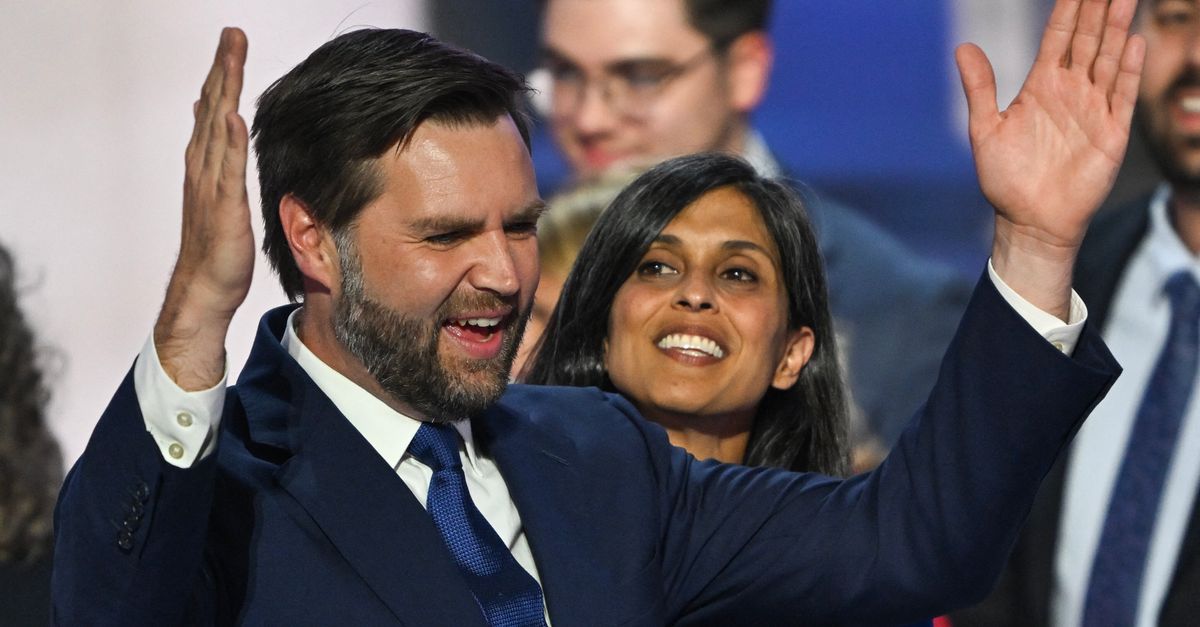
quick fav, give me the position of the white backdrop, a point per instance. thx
(95, 111)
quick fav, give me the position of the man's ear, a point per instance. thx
(310, 242)
(749, 59)
(800, 344)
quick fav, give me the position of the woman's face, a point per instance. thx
(700, 328)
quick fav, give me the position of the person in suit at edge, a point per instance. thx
(634, 81)
(400, 202)
(1125, 264)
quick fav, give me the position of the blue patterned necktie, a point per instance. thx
(1117, 572)
(507, 595)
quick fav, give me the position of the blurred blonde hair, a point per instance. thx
(572, 213)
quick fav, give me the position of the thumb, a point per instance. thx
(979, 85)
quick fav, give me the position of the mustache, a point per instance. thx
(1188, 79)
(474, 301)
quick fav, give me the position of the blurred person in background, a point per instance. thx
(561, 233)
(1114, 538)
(30, 467)
(631, 80)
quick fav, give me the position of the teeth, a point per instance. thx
(1190, 104)
(692, 343)
(478, 322)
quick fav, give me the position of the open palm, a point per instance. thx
(1048, 161)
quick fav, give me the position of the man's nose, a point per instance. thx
(1193, 47)
(495, 267)
(594, 114)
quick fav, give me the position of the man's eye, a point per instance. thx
(1174, 17)
(655, 268)
(643, 78)
(445, 239)
(522, 228)
(564, 74)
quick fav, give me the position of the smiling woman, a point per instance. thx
(715, 318)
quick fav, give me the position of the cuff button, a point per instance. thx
(175, 450)
(125, 541)
(184, 419)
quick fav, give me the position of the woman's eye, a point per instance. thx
(654, 268)
(739, 274)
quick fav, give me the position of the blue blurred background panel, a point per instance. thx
(862, 107)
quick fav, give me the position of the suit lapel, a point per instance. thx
(359, 503)
(1105, 252)
(539, 464)
(1109, 244)
(375, 522)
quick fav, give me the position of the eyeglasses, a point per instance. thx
(628, 88)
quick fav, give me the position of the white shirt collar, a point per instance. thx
(1168, 254)
(388, 431)
(758, 155)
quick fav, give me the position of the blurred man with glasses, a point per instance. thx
(630, 82)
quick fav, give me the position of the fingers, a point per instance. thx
(1088, 34)
(220, 94)
(1056, 41)
(1125, 91)
(979, 85)
(1114, 44)
(232, 182)
(228, 94)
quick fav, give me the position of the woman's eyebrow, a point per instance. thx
(741, 244)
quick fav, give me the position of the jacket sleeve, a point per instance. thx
(130, 528)
(926, 532)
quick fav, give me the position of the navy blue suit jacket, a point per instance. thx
(297, 521)
(1023, 597)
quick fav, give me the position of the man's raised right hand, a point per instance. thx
(216, 251)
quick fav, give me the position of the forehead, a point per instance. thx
(459, 167)
(608, 30)
(720, 216)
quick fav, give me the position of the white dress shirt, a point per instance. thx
(184, 424)
(1135, 333)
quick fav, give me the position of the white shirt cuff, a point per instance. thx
(184, 424)
(1063, 335)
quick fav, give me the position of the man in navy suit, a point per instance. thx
(1130, 253)
(372, 458)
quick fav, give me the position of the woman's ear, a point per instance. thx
(310, 242)
(800, 344)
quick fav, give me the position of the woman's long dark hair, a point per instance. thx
(30, 463)
(801, 428)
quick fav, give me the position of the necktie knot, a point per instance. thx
(436, 446)
(1184, 293)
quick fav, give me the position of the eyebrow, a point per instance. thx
(617, 66)
(733, 244)
(450, 223)
(531, 212)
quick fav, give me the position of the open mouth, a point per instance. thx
(479, 336)
(692, 346)
(475, 329)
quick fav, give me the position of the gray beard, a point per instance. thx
(401, 352)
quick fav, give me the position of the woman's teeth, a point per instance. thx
(692, 343)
